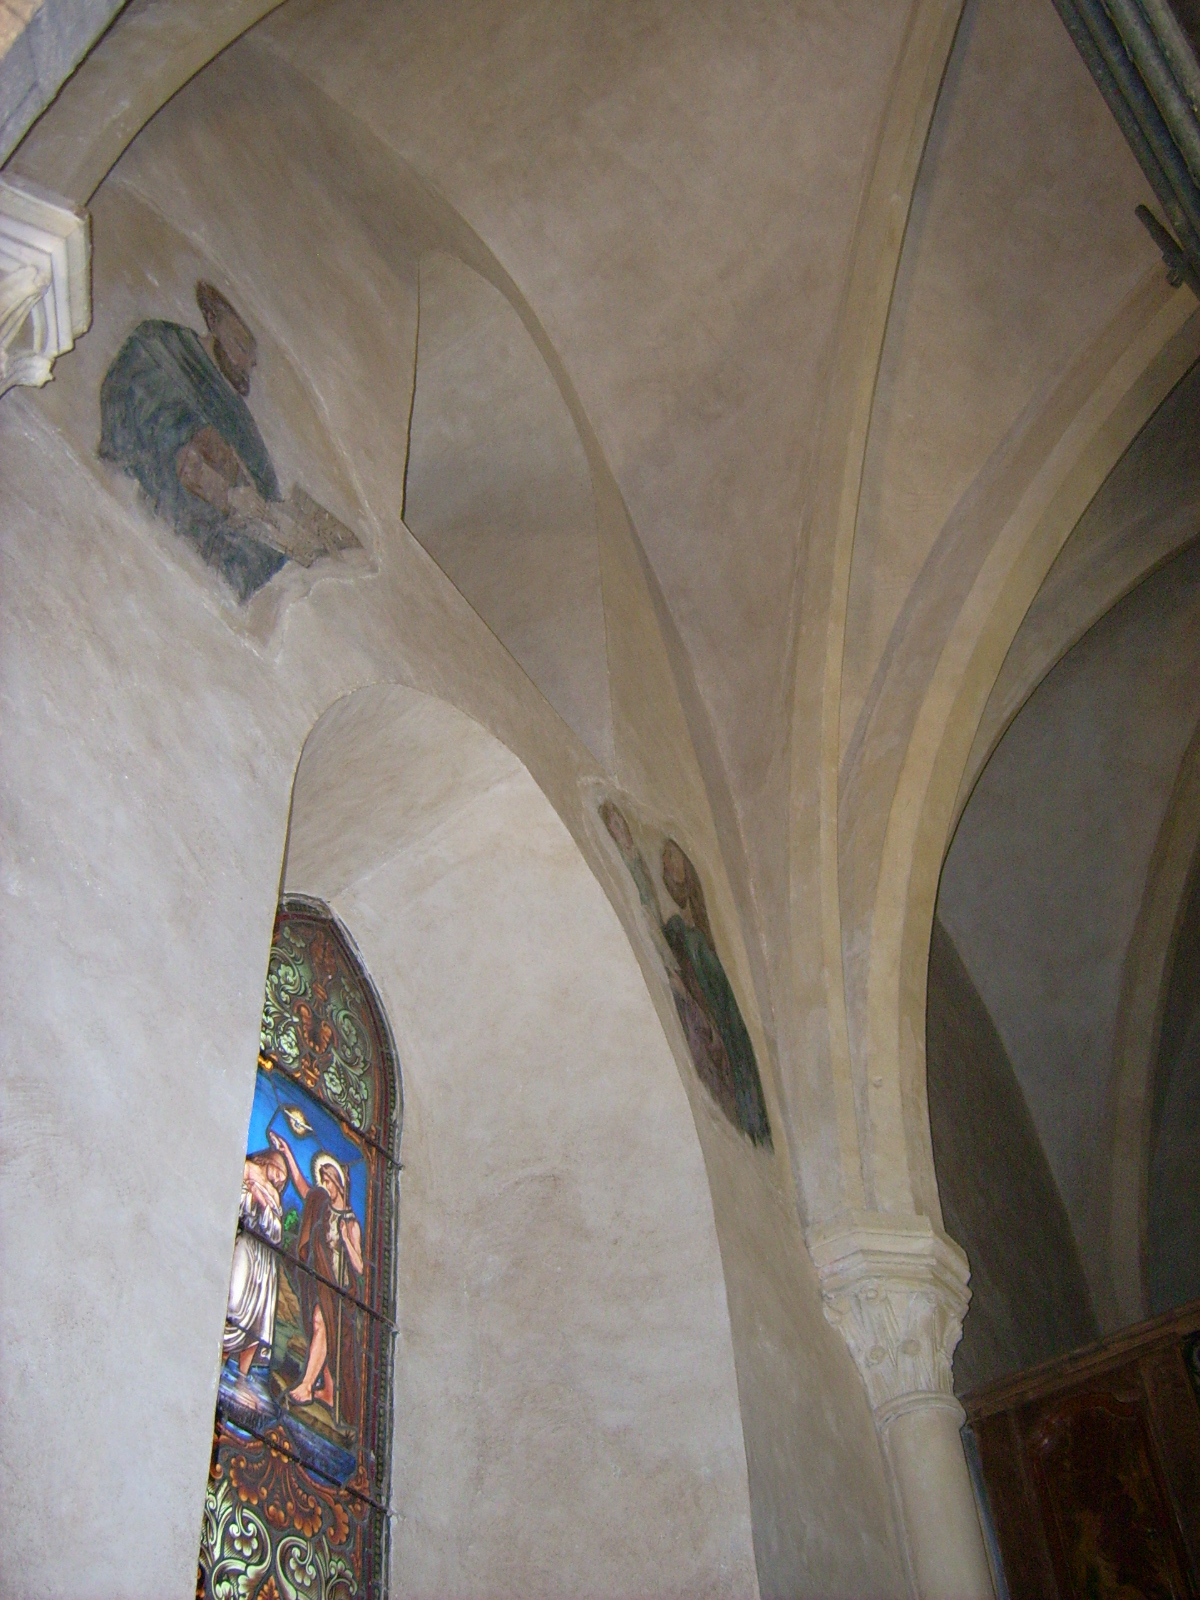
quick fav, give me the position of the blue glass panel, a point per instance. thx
(299, 1479)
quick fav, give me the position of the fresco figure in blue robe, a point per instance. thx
(689, 935)
(173, 413)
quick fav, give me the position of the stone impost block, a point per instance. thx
(45, 287)
(896, 1290)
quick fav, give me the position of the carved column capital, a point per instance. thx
(896, 1290)
(45, 290)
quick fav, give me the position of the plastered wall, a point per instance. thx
(1021, 243)
(151, 731)
(566, 1403)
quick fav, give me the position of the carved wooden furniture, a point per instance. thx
(1091, 1468)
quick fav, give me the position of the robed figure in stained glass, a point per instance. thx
(330, 1246)
(299, 1477)
(254, 1281)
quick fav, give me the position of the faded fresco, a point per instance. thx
(297, 1494)
(174, 414)
(716, 1033)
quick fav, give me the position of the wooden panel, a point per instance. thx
(1054, 1377)
(1027, 1567)
(1174, 1416)
(1092, 1467)
(1102, 1502)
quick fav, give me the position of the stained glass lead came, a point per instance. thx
(299, 1477)
(320, 1027)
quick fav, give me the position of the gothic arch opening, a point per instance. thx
(560, 1297)
(1059, 905)
(1170, 1192)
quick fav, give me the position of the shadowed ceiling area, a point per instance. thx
(1043, 884)
(498, 492)
(1060, 987)
(1172, 1200)
(1059, 892)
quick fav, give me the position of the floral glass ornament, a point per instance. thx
(296, 1506)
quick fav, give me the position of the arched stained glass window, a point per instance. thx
(296, 1505)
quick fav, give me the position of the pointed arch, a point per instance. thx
(299, 1478)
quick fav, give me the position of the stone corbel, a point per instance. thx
(45, 289)
(896, 1290)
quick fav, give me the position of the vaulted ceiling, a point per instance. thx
(668, 206)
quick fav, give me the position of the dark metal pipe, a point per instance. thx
(1155, 151)
(1150, 61)
(1141, 103)
(1179, 268)
(1177, 48)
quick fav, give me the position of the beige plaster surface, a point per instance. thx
(134, 808)
(150, 735)
(562, 1308)
(1020, 244)
(674, 189)
(905, 764)
(815, 1013)
(143, 801)
(867, 844)
(658, 238)
(627, 297)
(497, 489)
(905, 754)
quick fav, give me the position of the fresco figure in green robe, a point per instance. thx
(712, 1023)
(173, 413)
(690, 937)
(615, 821)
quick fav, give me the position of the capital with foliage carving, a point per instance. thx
(896, 1290)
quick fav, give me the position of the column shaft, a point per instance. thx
(896, 1289)
(946, 1554)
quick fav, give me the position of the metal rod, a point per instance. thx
(1179, 268)
(1148, 154)
(1177, 48)
(1139, 40)
(337, 1369)
(1141, 103)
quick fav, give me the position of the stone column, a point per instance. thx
(897, 1292)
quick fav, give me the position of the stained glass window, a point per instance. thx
(296, 1505)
